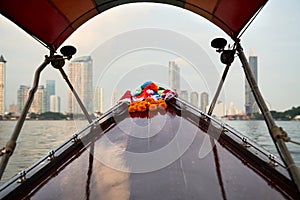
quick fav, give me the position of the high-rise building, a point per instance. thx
(98, 99)
(195, 99)
(183, 94)
(22, 96)
(115, 96)
(38, 105)
(12, 108)
(80, 72)
(250, 105)
(220, 110)
(232, 110)
(2, 85)
(174, 76)
(50, 90)
(204, 101)
(54, 103)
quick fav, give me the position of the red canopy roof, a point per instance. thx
(53, 21)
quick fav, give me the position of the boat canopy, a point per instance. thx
(53, 21)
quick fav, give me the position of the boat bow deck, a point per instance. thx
(176, 154)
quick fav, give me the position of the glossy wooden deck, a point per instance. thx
(162, 157)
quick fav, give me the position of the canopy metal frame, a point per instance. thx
(278, 135)
(12, 143)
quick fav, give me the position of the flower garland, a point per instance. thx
(149, 97)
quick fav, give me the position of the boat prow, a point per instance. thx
(180, 153)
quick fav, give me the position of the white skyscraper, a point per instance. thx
(98, 99)
(80, 72)
(195, 99)
(232, 110)
(54, 103)
(174, 76)
(50, 90)
(2, 85)
(184, 95)
(220, 110)
(38, 105)
(115, 97)
(22, 96)
(204, 101)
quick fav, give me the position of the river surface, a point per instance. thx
(258, 132)
(37, 138)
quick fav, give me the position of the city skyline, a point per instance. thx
(80, 70)
(220, 109)
(39, 103)
(174, 72)
(42, 101)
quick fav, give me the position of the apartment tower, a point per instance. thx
(174, 76)
(80, 72)
(2, 85)
(195, 99)
(50, 90)
(204, 101)
(250, 103)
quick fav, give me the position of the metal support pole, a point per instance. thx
(275, 131)
(91, 157)
(214, 101)
(11, 144)
(76, 95)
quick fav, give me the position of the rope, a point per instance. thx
(2, 152)
(279, 133)
(291, 165)
(295, 142)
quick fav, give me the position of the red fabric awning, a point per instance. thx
(53, 21)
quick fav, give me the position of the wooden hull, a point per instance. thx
(175, 154)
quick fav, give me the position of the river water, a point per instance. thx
(37, 138)
(258, 132)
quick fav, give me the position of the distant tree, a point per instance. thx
(258, 116)
(52, 116)
(292, 112)
(33, 115)
(286, 115)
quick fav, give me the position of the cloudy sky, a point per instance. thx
(116, 37)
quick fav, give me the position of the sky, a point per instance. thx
(118, 41)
